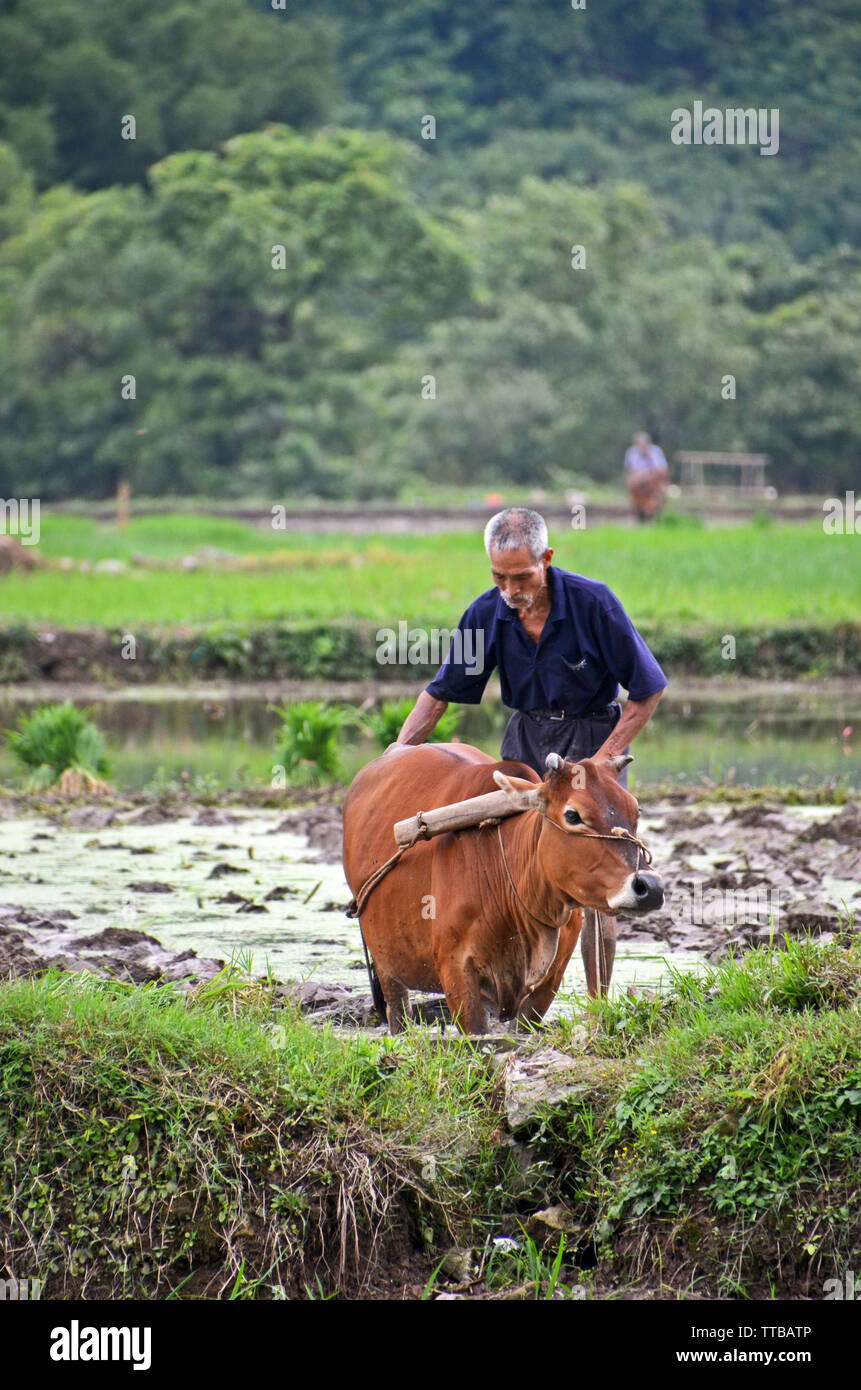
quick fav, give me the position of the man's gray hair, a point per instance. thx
(515, 528)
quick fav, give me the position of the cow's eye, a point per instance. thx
(573, 818)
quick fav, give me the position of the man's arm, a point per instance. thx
(422, 719)
(635, 716)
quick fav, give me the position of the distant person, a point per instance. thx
(648, 475)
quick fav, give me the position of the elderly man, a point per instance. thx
(562, 645)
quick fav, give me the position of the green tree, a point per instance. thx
(190, 74)
(245, 373)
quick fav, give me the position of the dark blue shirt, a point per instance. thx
(588, 646)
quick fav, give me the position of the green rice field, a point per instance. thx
(685, 573)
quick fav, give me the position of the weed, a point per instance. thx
(60, 744)
(308, 741)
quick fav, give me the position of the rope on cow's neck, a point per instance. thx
(619, 832)
(354, 907)
(554, 926)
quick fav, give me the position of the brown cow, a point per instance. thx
(489, 915)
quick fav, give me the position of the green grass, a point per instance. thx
(165, 537)
(738, 575)
(145, 1138)
(728, 1154)
(152, 1144)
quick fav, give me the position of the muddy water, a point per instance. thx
(249, 885)
(223, 890)
(159, 879)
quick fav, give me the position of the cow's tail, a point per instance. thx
(377, 990)
(373, 978)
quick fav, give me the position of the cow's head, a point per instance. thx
(578, 801)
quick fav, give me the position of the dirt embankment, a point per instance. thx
(348, 651)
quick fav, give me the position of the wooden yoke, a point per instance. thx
(458, 816)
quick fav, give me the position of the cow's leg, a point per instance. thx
(535, 1006)
(397, 999)
(598, 947)
(462, 987)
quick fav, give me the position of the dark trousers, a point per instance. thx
(529, 738)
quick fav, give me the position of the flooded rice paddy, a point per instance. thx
(251, 886)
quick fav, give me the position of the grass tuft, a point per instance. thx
(60, 744)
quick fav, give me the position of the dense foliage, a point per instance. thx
(407, 258)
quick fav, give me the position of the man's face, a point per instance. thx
(519, 579)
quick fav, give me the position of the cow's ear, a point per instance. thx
(527, 794)
(618, 761)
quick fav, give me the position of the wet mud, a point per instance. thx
(147, 893)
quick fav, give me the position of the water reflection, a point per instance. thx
(766, 734)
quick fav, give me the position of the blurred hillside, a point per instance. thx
(301, 373)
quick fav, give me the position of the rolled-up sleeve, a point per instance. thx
(626, 654)
(466, 670)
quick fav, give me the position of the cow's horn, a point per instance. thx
(553, 762)
(620, 760)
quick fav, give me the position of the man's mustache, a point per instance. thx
(523, 600)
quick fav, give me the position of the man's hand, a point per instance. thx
(422, 719)
(635, 715)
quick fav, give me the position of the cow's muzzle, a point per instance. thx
(643, 892)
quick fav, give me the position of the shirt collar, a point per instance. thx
(557, 602)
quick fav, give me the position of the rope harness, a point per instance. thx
(357, 904)
(618, 833)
